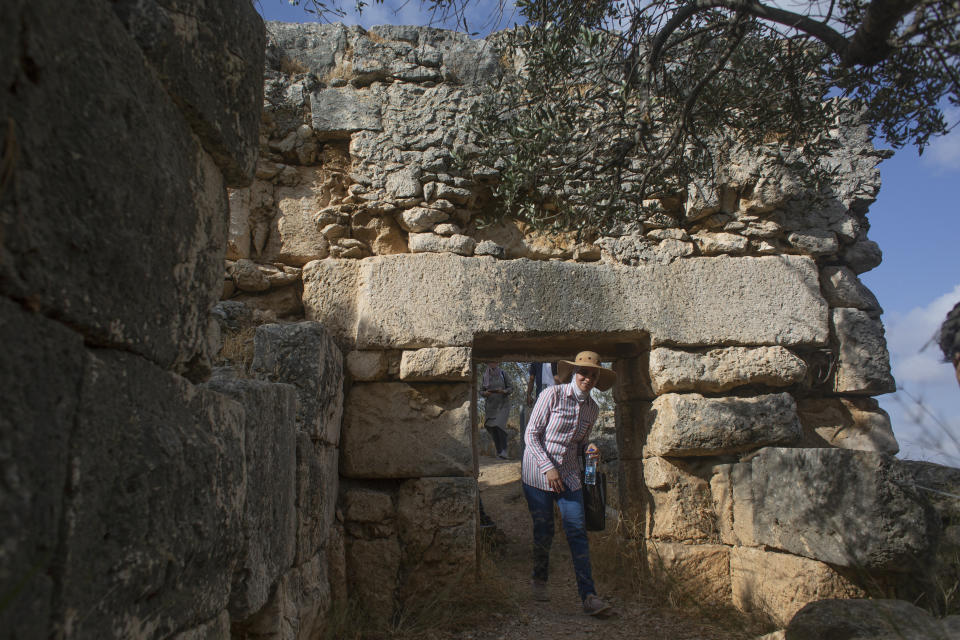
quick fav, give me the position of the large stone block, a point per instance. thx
(269, 515)
(874, 619)
(682, 504)
(215, 629)
(339, 112)
(157, 496)
(719, 370)
(688, 424)
(318, 482)
(209, 56)
(437, 522)
(373, 572)
(779, 584)
(329, 297)
(847, 508)
(295, 237)
(433, 364)
(699, 572)
(842, 288)
(758, 301)
(83, 200)
(40, 380)
(848, 423)
(304, 355)
(863, 364)
(298, 606)
(398, 430)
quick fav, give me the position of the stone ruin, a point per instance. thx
(158, 485)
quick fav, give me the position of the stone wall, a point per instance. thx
(137, 501)
(752, 454)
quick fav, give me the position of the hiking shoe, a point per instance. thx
(593, 605)
(503, 456)
(538, 589)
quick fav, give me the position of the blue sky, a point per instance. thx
(916, 222)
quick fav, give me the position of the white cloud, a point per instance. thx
(943, 154)
(925, 411)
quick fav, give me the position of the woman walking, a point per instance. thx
(495, 390)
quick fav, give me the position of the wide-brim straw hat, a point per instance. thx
(587, 359)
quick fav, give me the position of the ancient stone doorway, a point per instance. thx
(632, 395)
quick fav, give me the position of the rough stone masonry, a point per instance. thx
(145, 494)
(753, 457)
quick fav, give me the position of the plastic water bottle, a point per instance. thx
(590, 472)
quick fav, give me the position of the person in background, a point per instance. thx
(495, 390)
(541, 376)
(559, 428)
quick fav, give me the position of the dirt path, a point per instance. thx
(562, 617)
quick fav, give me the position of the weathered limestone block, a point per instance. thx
(842, 288)
(329, 296)
(387, 426)
(364, 366)
(419, 219)
(338, 112)
(863, 255)
(209, 56)
(723, 369)
(373, 572)
(699, 572)
(631, 428)
(847, 508)
(688, 424)
(295, 238)
(238, 238)
(436, 364)
(285, 302)
(816, 242)
(760, 301)
(874, 619)
(298, 606)
(317, 483)
(779, 584)
(939, 484)
(215, 629)
(381, 233)
(269, 516)
(247, 276)
(721, 490)
(304, 355)
(848, 423)
(138, 429)
(682, 507)
(369, 513)
(433, 243)
(438, 533)
(83, 202)
(863, 364)
(712, 244)
(40, 376)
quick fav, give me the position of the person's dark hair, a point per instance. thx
(948, 337)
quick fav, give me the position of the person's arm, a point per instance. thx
(485, 383)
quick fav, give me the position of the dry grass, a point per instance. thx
(237, 349)
(292, 67)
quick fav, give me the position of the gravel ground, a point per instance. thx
(521, 618)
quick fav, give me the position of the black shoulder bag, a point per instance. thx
(594, 498)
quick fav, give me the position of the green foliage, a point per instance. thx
(607, 106)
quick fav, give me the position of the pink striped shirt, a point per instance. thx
(558, 428)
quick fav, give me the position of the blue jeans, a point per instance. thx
(540, 503)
